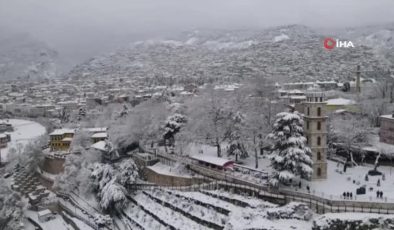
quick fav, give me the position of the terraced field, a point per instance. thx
(208, 209)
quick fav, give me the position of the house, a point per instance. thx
(45, 215)
(60, 139)
(6, 127)
(4, 139)
(336, 104)
(99, 137)
(386, 132)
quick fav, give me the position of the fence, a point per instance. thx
(317, 203)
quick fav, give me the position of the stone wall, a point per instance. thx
(53, 165)
(170, 180)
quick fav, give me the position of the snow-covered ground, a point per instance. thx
(24, 132)
(251, 201)
(81, 225)
(170, 216)
(259, 214)
(57, 223)
(337, 183)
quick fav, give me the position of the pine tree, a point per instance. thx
(291, 156)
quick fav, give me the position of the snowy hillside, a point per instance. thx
(21, 56)
(293, 51)
(380, 38)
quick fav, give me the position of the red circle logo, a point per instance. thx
(329, 43)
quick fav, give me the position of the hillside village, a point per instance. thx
(204, 139)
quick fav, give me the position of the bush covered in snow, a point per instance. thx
(299, 211)
(109, 181)
(102, 220)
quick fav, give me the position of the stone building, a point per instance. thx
(315, 128)
(386, 132)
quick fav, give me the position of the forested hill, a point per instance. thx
(23, 57)
(292, 51)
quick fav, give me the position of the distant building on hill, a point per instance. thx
(336, 104)
(386, 132)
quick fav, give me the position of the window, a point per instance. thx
(318, 171)
(307, 125)
(318, 111)
(318, 156)
(319, 141)
(307, 111)
(318, 125)
(321, 99)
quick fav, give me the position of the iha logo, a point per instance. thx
(330, 43)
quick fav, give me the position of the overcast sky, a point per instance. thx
(82, 28)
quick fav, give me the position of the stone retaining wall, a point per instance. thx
(170, 180)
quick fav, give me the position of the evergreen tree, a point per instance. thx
(291, 156)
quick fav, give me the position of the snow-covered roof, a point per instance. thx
(340, 101)
(281, 37)
(297, 97)
(44, 212)
(96, 129)
(99, 145)
(2, 135)
(212, 160)
(340, 111)
(389, 116)
(100, 135)
(62, 131)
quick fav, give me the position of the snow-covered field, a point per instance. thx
(24, 132)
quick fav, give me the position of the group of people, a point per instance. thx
(347, 195)
(379, 194)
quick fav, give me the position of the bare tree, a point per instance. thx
(261, 108)
(211, 117)
(349, 131)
